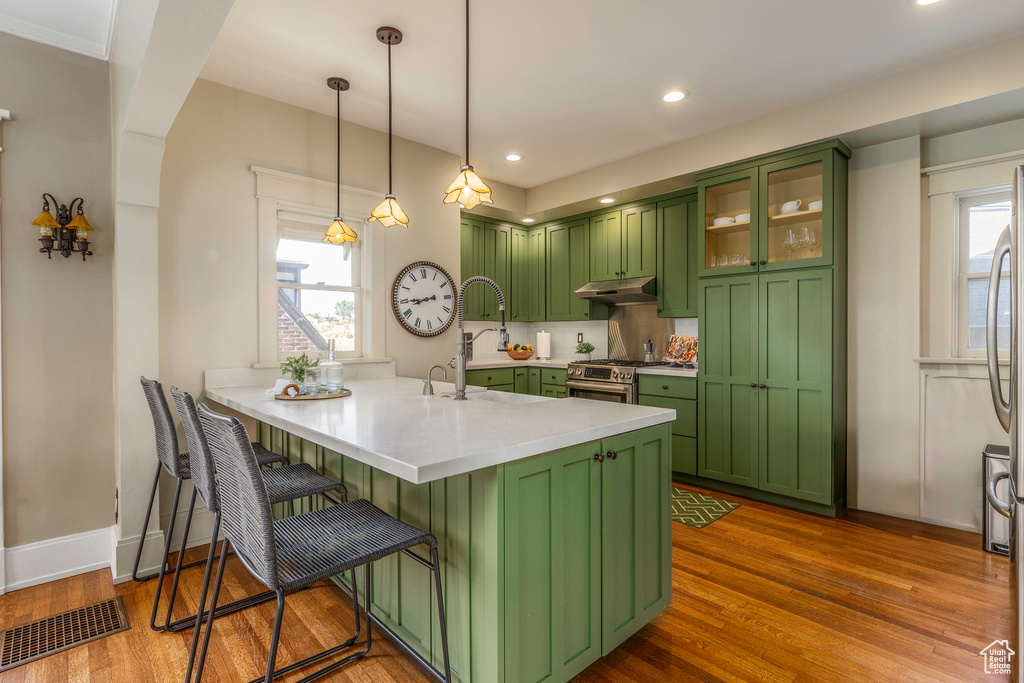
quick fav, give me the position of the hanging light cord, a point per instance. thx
(338, 165)
(389, 118)
(467, 82)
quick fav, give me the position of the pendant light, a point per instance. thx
(388, 212)
(339, 232)
(467, 189)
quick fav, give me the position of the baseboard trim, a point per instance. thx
(57, 558)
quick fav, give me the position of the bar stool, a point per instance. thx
(293, 553)
(283, 484)
(177, 465)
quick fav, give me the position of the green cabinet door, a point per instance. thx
(640, 241)
(552, 565)
(796, 453)
(677, 258)
(568, 269)
(536, 277)
(606, 246)
(727, 405)
(472, 263)
(521, 383)
(534, 384)
(808, 178)
(732, 247)
(553, 391)
(497, 262)
(636, 563)
(518, 295)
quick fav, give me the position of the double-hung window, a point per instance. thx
(981, 218)
(319, 292)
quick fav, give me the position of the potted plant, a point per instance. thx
(295, 367)
(584, 349)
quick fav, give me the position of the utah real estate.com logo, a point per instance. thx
(998, 657)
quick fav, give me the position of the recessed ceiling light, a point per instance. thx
(607, 200)
(513, 157)
(528, 220)
(926, 2)
(677, 95)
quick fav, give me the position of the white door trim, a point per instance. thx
(4, 116)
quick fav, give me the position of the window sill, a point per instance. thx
(958, 361)
(344, 361)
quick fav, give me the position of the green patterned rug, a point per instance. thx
(696, 509)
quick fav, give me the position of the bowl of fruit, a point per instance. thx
(519, 351)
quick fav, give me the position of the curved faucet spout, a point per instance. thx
(460, 342)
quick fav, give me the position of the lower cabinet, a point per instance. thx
(492, 378)
(533, 381)
(522, 381)
(600, 566)
(678, 394)
(553, 391)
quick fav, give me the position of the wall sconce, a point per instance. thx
(66, 233)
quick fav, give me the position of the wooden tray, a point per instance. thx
(303, 397)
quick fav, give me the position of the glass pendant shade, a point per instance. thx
(339, 232)
(389, 213)
(46, 220)
(468, 190)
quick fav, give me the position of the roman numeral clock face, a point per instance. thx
(423, 299)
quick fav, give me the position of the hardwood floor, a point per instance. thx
(763, 594)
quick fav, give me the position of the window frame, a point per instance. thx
(312, 224)
(962, 277)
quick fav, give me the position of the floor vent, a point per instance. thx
(29, 642)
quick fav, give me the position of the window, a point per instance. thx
(319, 296)
(982, 218)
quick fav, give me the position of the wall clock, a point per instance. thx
(423, 299)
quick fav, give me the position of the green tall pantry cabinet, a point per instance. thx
(772, 308)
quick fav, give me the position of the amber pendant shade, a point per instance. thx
(79, 223)
(339, 232)
(389, 213)
(468, 190)
(46, 220)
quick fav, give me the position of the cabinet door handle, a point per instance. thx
(753, 385)
(515, 315)
(664, 387)
(762, 262)
(612, 455)
(763, 386)
(488, 378)
(599, 457)
(753, 263)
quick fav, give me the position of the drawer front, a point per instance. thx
(553, 391)
(685, 423)
(490, 378)
(671, 387)
(552, 376)
(684, 454)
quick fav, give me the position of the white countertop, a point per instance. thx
(387, 424)
(509, 363)
(667, 371)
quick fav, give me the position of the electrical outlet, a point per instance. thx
(579, 337)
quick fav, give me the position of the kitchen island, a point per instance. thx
(552, 515)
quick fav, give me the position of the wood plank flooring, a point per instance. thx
(763, 594)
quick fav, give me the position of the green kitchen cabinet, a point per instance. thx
(624, 243)
(534, 384)
(553, 391)
(727, 439)
(497, 266)
(602, 569)
(606, 246)
(521, 383)
(684, 454)
(677, 257)
(492, 377)
(730, 247)
(472, 263)
(679, 394)
(795, 368)
(528, 276)
(568, 269)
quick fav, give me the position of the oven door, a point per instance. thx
(600, 391)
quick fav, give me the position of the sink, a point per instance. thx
(506, 397)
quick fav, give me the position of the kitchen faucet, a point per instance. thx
(428, 388)
(460, 341)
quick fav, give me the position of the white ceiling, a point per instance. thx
(83, 26)
(576, 84)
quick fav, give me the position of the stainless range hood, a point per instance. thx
(637, 290)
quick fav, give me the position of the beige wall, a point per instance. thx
(884, 258)
(57, 315)
(208, 263)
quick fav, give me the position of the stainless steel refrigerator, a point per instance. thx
(1008, 407)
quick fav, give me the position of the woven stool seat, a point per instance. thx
(298, 481)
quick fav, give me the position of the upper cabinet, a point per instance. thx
(528, 276)
(486, 250)
(774, 214)
(624, 243)
(568, 269)
(677, 257)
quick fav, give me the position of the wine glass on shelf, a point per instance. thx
(712, 263)
(790, 243)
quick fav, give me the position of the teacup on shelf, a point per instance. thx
(814, 206)
(790, 207)
(724, 220)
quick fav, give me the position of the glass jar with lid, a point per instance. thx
(332, 372)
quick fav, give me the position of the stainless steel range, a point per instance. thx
(605, 380)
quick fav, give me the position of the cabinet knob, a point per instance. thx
(762, 262)
(599, 457)
(586, 314)
(753, 263)
(763, 386)
(515, 315)
(612, 455)
(753, 385)
(664, 387)
(488, 378)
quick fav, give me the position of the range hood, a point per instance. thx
(636, 290)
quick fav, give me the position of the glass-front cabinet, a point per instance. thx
(775, 214)
(729, 209)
